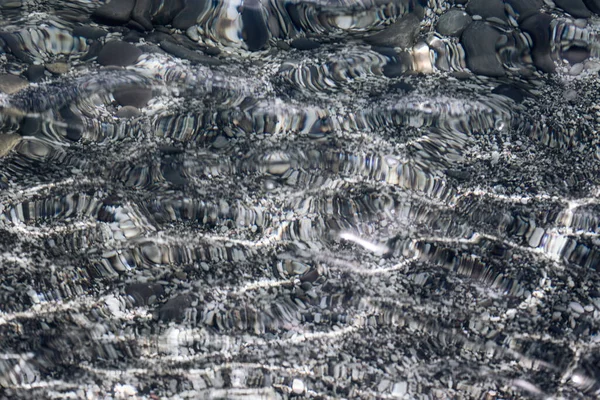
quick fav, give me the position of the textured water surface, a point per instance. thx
(299, 198)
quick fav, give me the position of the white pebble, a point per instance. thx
(298, 386)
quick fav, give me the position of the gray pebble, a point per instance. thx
(11, 84)
(453, 22)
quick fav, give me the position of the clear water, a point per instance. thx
(274, 199)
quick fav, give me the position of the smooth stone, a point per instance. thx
(298, 386)
(576, 54)
(11, 84)
(35, 73)
(399, 65)
(118, 53)
(304, 44)
(142, 13)
(511, 92)
(254, 32)
(166, 11)
(174, 309)
(15, 48)
(31, 126)
(58, 68)
(182, 52)
(576, 307)
(189, 15)
(116, 12)
(89, 32)
(479, 41)
(401, 33)
(487, 9)
(8, 142)
(525, 8)
(593, 5)
(539, 29)
(453, 22)
(10, 4)
(136, 96)
(576, 8)
(128, 112)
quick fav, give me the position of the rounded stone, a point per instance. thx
(136, 96)
(453, 22)
(11, 84)
(35, 73)
(8, 142)
(118, 53)
(128, 112)
(58, 68)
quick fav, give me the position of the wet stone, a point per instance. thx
(255, 31)
(135, 96)
(487, 9)
(304, 44)
(11, 84)
(89, 32)
(116, 12)
(401, 33)
(10, 4)
(167, 11)
(191, 55)
(593, 5)
(7, 143)
(511, 92)
(479, 41)
(538, 27)
(453, 22)
(188, 16)
(128, 112)
(35, 73)
(576, 8)
(576, 55)
(118, 53)
(58, 68)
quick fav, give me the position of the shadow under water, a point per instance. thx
(303, 198)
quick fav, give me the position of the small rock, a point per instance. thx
(297, 386)
(401, 33)
(136, 96)
(304, 44)
(453, 22)
(35, 73)
(7, 143)
(118, 53)
(576, 307)
(58, 68)
(11, 84)
(114, 13)
(128, 112)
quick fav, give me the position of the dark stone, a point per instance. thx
(118, 53)
(74, 123)
(15, 48)
(538, 27)
(576, 54)
(166, 11)
(142, 13)
(174, 309)
(128, 112)
(136, 96)
(304, 44)
(189, 15)
(487, 9)
(10, 4)
(116, 12)
(254, 31)
(479, 41)
(35, 73)
(92, 52)
(398, 66)
(401, 33)
(453, 22)
(525, 8)
(403, 86)
(182, 52)
(574, 7)
(31, 126)
(144, 294)
(593, 5)
(89, 32)
(511, 92)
